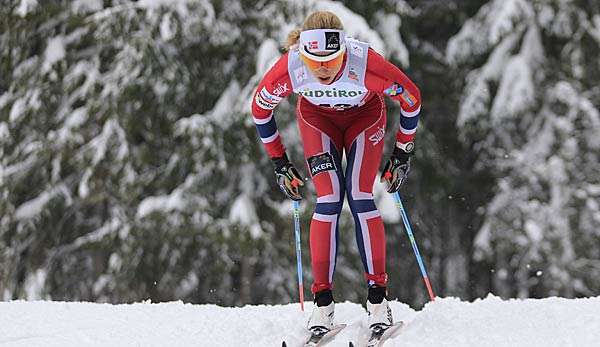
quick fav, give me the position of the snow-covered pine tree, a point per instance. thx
(529, 108)
(128, 159)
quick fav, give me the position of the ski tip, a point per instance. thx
(283, 344)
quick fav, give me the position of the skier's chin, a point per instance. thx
(325, 80)
(325, 75)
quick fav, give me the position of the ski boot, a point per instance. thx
(380, 313)
(321, 319)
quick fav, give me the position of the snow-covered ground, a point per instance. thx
(445, 322)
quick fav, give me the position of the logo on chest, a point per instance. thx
(321, 163)
(352, 74)
(331, 93)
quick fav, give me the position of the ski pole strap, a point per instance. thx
(298, 252)
(413, 243)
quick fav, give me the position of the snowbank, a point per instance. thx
(446, 322)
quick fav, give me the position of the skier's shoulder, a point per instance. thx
(279, 69)
(378, 66)
(278, 72)
(375, 58)
(275, 84)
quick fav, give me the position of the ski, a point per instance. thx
(378, 337)
(318, 340)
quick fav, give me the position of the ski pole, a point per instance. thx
(298, 252)
(414, 245)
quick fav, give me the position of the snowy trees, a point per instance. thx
(130, 167)
(530, 110)
(118, 169)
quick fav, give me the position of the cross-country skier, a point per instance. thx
(341, 83)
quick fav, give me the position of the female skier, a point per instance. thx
(341, 83)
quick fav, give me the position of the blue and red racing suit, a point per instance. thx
(347, 116)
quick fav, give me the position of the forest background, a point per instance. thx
(130, 168)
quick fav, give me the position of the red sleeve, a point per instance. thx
(384, 77)
(274, 86)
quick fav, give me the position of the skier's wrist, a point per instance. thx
(279, 162)
(403, 150)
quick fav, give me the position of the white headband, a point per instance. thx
(324, 41)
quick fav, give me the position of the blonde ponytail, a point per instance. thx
(292, 39)
(316, 20)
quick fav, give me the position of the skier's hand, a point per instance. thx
(397, 167)
(288, 177)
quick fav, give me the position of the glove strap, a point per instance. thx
(403, 151)
(401, 155)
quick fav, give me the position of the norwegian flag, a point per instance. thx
(352, 75)
(313, 45)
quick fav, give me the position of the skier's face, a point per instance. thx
(326, 71)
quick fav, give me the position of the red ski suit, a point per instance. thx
(328, 131)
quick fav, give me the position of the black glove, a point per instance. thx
(288, 177)
(396, 168)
